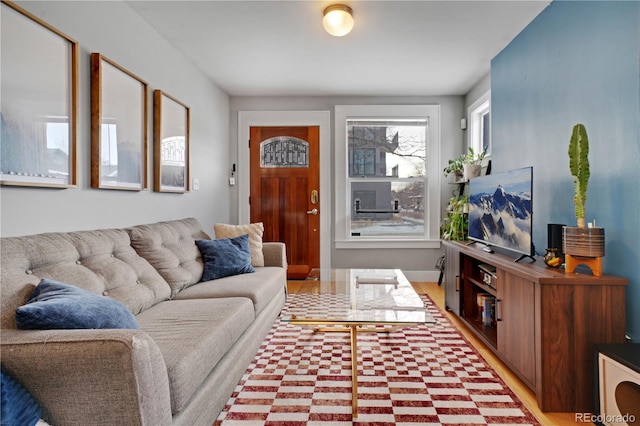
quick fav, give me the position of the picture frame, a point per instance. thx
(171, 144)
(39, 103)
(119, 131)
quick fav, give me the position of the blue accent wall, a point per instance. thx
(577, 62)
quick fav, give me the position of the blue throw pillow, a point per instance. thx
(225, 256)
(54, 305)
(18, 406)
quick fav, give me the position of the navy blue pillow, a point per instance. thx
(225, 256)
(54, 305)
(18, 406)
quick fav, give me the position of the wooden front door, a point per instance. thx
(285, 176)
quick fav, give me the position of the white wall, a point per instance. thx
(480, 88)
(116, 31)
(452, 137)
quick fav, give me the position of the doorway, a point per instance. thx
(288, 118)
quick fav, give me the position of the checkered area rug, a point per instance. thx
(427, 375)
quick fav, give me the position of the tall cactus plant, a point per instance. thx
(579, 166)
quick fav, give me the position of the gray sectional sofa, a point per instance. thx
(195, 338)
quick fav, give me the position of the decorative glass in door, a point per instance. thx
(284, 151)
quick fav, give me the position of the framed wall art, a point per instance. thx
(171, 144)
(119, 135)
(38, 111)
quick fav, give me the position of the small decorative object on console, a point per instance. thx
(552, 258)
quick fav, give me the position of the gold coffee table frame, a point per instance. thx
(382, 298)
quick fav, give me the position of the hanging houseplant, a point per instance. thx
(581, 240)
(456, 166)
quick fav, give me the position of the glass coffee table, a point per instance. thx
(357, 301)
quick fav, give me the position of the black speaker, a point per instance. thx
(554, 237)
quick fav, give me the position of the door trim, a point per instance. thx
(247, 119)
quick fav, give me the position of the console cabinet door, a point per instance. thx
(452, 279)
(516, 324)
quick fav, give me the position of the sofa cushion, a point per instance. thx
(193, 335)
(170, 247)
(225, 257)
(261, 287)
(55, 305)
(255, 231)
(100, 261)
(18, 406)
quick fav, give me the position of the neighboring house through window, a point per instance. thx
(386, 176)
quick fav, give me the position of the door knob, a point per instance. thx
(313, 212)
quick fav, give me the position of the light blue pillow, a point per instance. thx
(225, 256)
(18, 406)
(54, 305)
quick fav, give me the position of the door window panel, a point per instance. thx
(284, 151)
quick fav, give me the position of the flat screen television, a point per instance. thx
(500, 211)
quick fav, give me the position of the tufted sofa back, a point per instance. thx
(170, 247)
(104, 262)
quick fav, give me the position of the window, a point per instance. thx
(386, 176)
(480, 124)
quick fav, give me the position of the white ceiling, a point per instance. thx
(397, 48)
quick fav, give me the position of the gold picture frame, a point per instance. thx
(38, 111)
(170, 144)
(119, 131)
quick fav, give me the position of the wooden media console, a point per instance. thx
(543, 323)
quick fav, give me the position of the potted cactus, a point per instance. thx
(579, 167)
(581, 240)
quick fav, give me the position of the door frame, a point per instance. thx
(247, 119)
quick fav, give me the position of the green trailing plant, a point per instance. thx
(473, 158)
(579, 166)
(470, 157)
(457, 164)
(455, 226)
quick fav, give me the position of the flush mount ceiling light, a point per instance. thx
(338, 20)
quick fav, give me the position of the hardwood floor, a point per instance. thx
(522, 391)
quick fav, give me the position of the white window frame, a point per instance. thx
(343, 238)
(475, 112)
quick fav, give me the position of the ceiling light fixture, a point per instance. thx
(338, 20)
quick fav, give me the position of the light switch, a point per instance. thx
(196, 184)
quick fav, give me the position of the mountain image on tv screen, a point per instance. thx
(500, 209)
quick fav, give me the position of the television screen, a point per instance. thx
(500, 210)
